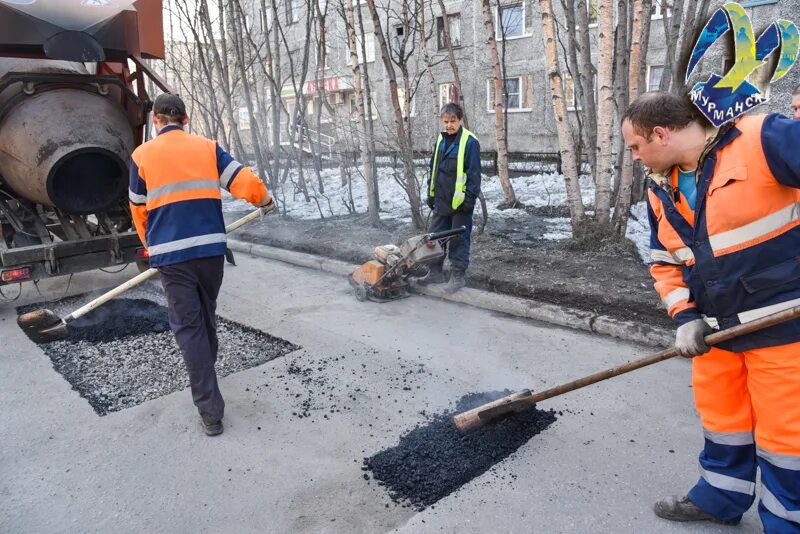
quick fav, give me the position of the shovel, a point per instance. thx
(44, 326)
(478, 417)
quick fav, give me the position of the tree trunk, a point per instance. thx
(509, 197)
(238, 29)
(367, 85)
(373, 215)
(605, 122)
(586, 79)
(640, 11)
(569, 163)
(411, 184)
(620, 90)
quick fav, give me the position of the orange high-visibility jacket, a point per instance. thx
(736, 257)
(175, 197)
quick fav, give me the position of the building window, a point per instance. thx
(293, 13)
(401, 96)
(448, 92)
(453, 27)
(265, 19)
(397, 38)
(518, 94)
(354, 108)
(569, 92)
(658, 9)
(244, 119)
(591, 5)
(369, 45)
(512, 21)
(654, 73)
(570, 95)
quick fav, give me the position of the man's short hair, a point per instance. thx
(660, 108)
(796, 90)
(451, 108)
(169, 108)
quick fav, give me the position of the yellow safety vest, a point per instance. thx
(461, 176)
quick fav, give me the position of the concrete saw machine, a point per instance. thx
(385, 278)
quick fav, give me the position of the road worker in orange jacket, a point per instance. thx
(175, 199)
(724, 209)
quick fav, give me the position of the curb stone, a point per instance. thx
(516, 306)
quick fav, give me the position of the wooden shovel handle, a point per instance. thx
(711, 339)
(149, 273)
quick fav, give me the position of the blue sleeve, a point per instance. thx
(473, 163)
(780, 139)
(137, 188)
(655, 243)
(686, 316)
(227, 167)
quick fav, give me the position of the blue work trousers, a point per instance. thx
(192, 288)
(457, 248)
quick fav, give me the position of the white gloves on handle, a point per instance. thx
(690, 338)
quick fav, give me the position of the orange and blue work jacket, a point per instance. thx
(736, 256)
(175, 196)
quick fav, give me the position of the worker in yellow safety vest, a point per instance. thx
(453, 188)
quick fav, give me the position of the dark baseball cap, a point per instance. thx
(169, 104)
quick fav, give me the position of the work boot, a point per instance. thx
(677, 508)
(457, 281)
(212, 427)
(435, 276)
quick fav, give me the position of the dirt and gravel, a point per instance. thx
(434, 459)
(511, 257)
(123, 353)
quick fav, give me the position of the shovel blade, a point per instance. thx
(43, 326)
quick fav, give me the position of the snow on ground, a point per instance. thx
(536, 190)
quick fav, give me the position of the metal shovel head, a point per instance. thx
(43, 326)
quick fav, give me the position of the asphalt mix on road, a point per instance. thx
(434, 459)
(123, 353)
(347, 428)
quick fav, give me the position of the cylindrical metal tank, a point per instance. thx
(65, 147)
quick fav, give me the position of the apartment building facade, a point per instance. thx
(530, 121)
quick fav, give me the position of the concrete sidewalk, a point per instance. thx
(635, 332)
(614, 448)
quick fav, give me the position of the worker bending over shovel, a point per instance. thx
(176, 204)
(724, 208)
(453, 188)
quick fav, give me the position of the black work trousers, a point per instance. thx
(192, 288)
(458, 248)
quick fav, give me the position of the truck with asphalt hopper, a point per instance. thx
(74, 104)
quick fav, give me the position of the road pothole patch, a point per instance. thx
(124, 353)
(434, 459)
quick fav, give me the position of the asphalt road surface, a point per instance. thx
(298, 427)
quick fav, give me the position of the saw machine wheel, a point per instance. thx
(360, 292)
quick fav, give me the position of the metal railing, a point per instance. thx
(305, 137)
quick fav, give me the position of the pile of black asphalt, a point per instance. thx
(434, 459)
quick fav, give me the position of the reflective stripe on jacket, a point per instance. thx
(735, 258)
(175, 197)
(467, 171)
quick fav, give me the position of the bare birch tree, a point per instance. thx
(509, 197)
(406, 152)
(605, 111)
(368, 162)
(563, 126)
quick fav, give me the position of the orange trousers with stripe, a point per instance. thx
(758, 392)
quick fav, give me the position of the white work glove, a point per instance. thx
(689, 339)
(268, 202)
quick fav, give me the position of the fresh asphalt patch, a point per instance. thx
(124, 353)
(434, 459)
